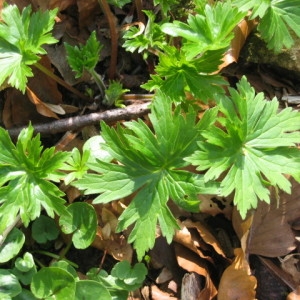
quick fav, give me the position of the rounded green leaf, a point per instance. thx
(53, 283)
(24, 268)
(89, 289)
(9, 285)
(26, 263)
(44, 229)
(81, 220)
(12, 245)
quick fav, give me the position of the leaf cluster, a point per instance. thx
(278, 18)
(151, 166)
(61, 281)
(143, 40)
(255, 145)
(205, 37)
(26, 170)
(22, 35)
(84, 57)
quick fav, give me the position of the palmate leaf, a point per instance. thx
(84, 57)
(211, 31)
(22, 36)
(278, 19)
(257, 146)
(149, 165)
(25, 170)
(175, 75)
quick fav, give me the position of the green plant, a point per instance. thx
(22, 36)
(113, 94)
(26, 171)
(145, 39)
(85, 58)
(151, 164)
(122, 279)
(241, 146)
(61, 281)
(277, 18)
(205, 38)
(255, 144)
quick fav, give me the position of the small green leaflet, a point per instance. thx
(211, 31)
(84, 57)
(22, 36)
(151, 38)
(256, 147)
(150, 166)
(25, 171)
(278, 19)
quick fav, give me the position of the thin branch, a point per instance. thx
(75, 123)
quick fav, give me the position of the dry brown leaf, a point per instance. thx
(290, 265)
(18, 110)
(193, 263)
(184, 237)
(271, 234)
(236, 282)
(116, 245)
(241, 32)
(205, 234)
(43, 109)
(242, 227)
(154, 293)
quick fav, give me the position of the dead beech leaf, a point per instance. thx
(193, 243)
(236, 282)
(205, 234)
(241, 32)
(18, 110)
(116, 245)
(43, 109)
(242, 227)
(271, 234)
(193, 263)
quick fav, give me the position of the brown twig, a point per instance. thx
(113, 38)
(75, 123)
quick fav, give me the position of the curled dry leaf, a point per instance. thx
(41, 107)
(241, 32)
(193, 263)
(203, 232)
(236, 282)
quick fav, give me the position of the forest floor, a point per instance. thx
(209, 242)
